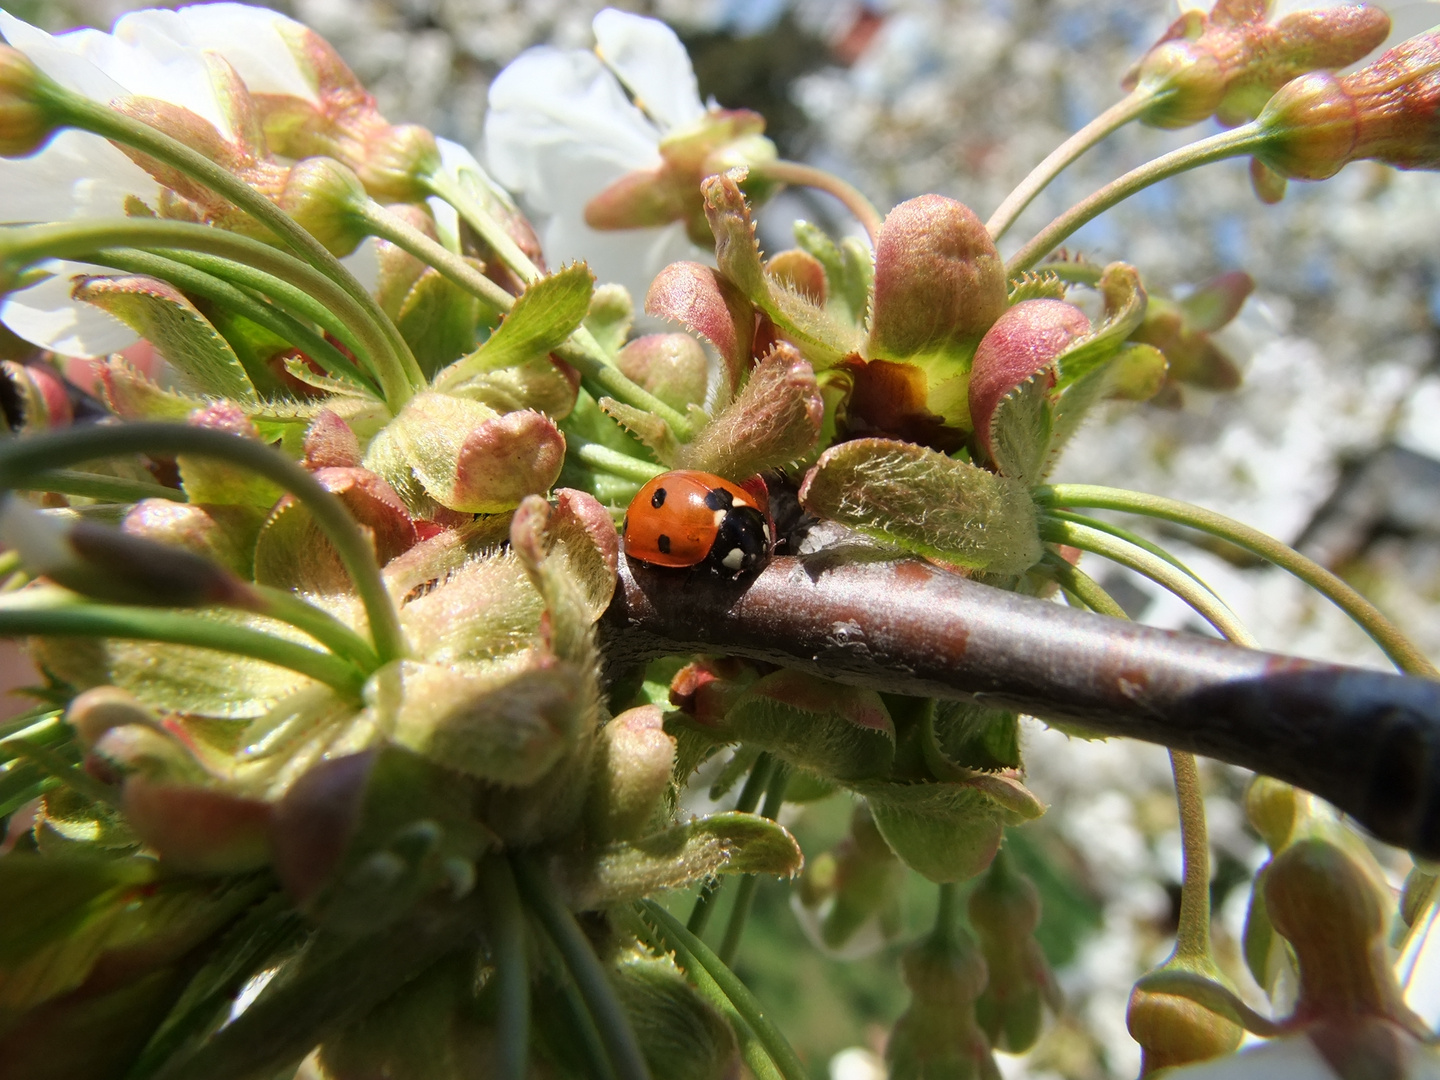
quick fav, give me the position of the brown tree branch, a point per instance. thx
(1368, 742)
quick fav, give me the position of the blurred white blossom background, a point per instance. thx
(1332, 440)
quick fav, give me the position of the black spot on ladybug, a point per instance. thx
(663, 544)
(719, 499)
(658, 499)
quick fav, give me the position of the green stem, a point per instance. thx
(506, 927)
(98, 486)
(380, 222)
(1214, 611)
(583, 353)
(695, 955)
(1192, 940)
(20, 246)
(484, 223)
(745, 895)
(1366, 615)
(946, 910)
(197, 282)
(180, 628)
(540, 896)
(22, 458)
(1059, 159)
(752, 1051)
(10, 561)
(1082, 586)
(797, 175)
(611, 461)
(284, 295)
(1131, 538)
(52, 764)
(755, 785)
(329, 631)
(1226, 144)
(116, 126)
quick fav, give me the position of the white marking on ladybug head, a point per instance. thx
(720, 517)
(734, 560)
(766, 530)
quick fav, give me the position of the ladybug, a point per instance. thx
(690, 518)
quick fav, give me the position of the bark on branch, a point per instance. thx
(1367, 741)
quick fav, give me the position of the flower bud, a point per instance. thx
(673, 367)
(392, 160)
(322, 195)
(1229, 62)
(1023, 342)
(632, 774)
(939, 282)
(937, 1037)
(331, 443)
(1004, 911)
(293, 552)
(198, 829)
(1274, 808)
(1181, 330)
(1332, 908)
(680, 1034)
(1174, 1030)
(25, 124)
(107, 564)
(470, 458)
(1386, 111)
(856, 883)
(225, 534)
(800, 272)
(33, 398)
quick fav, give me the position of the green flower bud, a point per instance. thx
(856, 883)
(680, 1034)
(1173, 1030)
(937, 1038)
(392, 160)
(25, 123)
(632, 774)
(323, 195)
(1004, 911)
(225, 534)
(673, 367)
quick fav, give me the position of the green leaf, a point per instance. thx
(611, 314)
(1036, 285)
(1125, 301)
(849, 268)
(134, 396)
(48, 898)
(547, 312)
(948, 831)
(836, 731)
(649, 429)
(822, 338)
(437, 320)
(161, 314)
(1021, 430)
(726, 843)
(927, 503)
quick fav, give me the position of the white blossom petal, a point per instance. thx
(106, 66)
(554, 109)
(652, 63)
(76, 175)
(260, 44)
(47, 316)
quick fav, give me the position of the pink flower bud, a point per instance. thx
(197, 829)
(673, 367)
(636, 760)
(1229, 62)
(25, 124)
(1388, 111)
(37, 399)
(939, 281)
(1024, 342)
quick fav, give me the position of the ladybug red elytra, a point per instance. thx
(691, 518)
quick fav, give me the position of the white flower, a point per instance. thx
(561, 129)
(188, 58)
